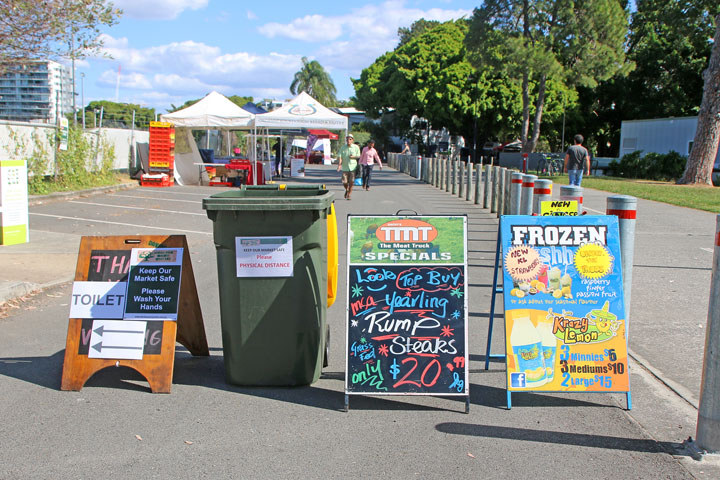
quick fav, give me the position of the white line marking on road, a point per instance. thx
(709, 250)
(593, 210)
(158, 199)
(171, 192)
(137, 208)
(61, 217)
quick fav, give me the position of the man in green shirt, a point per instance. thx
(349, 155)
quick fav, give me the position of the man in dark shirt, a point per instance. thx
(577, 160)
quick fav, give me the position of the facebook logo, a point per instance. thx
(517, 380)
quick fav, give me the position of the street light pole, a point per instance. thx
(82, 95)
(562, 142)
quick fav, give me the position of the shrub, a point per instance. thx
(653, 166)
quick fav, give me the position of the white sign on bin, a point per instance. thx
(264, 256)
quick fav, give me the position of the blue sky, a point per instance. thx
(171, 51)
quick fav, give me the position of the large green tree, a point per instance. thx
(41, 29)
(668, 45)
(571, 43)
(315, 81)
(428, 75)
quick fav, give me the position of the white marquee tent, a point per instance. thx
(303, 111)
(214, 112)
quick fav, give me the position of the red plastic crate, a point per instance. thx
(150, 180)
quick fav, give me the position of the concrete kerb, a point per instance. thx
(61, 196)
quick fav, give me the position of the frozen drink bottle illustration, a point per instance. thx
(554, 278)
(549, 348)
(566, 285)
(527, 351)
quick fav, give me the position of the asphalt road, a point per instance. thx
(115, 428)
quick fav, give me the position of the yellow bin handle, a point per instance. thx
(332, 259)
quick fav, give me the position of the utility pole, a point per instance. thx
(72, 57)
(82, 95)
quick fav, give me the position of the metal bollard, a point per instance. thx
(708, 423)
(542, 193)
(461, 178)
(488, 186)
(441, 173)
(493, 189)
(508, 187)
(501, 191)
(468, 182)
(515, 193)
(478, 179)
(625, 208)
(447, 174)
(572, 192)
(526, 198)
(454, 171)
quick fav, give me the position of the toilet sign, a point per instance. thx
(98, 300)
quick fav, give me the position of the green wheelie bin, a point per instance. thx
(273, 327)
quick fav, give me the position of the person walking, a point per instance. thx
(349, 155)
(368, 159)
(279, 160)
(577, 160)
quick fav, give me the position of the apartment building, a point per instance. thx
(36, 92)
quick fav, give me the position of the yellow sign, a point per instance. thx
(593, 261)
(559, 208)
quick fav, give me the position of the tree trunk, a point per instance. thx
(526, 109)
(530, 147)
(707, 136)
(526, 79)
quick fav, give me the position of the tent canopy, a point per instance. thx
(323, 133)
(303, 111)
(215, 111)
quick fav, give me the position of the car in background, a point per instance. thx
(514, 146)
(489, 147)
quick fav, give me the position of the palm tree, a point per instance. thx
(315, 81)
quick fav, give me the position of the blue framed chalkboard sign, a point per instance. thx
(407, 306)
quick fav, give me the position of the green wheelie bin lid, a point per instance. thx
(271, 197)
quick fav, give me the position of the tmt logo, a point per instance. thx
(406, 231)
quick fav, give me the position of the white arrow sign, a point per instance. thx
(117, 339)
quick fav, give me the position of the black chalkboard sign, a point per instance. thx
(407, 306)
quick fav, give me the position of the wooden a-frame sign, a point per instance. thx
(188, 330)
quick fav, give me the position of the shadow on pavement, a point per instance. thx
(560, 438)
(43, 371)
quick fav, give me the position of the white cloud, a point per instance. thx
(377, 24)
(157, 9)
(310, 28)
(354, 41)
(195, 68)
(251, 15)
(135, 81)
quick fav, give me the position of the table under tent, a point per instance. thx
(302, 112)
(214, 112)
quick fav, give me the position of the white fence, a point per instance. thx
(17, 141)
